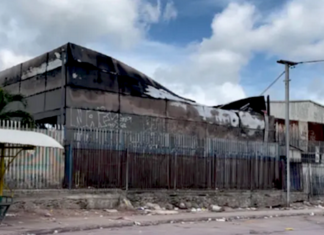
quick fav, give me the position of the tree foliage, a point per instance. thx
(7, 114)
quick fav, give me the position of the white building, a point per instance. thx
(300, 110)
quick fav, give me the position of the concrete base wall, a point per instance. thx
(108, 199)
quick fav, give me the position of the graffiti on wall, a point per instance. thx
(98, 119)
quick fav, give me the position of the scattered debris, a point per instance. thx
(254, 232)
(125, 204)
(169, 207)
(215, 208)
(182, 206)
(11, 215)
(137, 223)
(152, 206)
(111, 211)
(164, 212)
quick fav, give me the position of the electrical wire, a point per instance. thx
(310, 61)
(301, 62)
(273, 82)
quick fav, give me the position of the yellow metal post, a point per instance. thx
(2, 170)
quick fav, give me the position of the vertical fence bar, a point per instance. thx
(127, 173)
(175, 172)
(70, 177)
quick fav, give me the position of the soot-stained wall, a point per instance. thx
(40, 80)
(101, 92)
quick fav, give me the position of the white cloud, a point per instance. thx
(208, 71)
(43, 24)
(170, 12)
(9, 59)
(238, 32)
(151, 13)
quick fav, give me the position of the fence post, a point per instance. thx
(70, 165)
(215, 170)
(127, 173)
(175, 172)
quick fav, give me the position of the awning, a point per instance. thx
(28, 138)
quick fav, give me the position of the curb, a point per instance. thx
(168, 221)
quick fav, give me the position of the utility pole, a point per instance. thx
(287, 64)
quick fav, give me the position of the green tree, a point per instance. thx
(6, 100)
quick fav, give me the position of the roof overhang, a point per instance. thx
(27, 139)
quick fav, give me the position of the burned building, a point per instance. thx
(81, 88)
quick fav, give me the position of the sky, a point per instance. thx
(211, 51)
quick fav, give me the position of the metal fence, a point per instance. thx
(42, 168)
(128, 160)
(311, 167)
(110, 159)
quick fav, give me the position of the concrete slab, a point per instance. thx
(289, 225)
(49, 226)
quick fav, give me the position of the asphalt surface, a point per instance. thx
(289, 225)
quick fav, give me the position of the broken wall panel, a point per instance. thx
(200, 113)
(34, 67)
(251, 124)
(183, 111)
(91, 99)
(142, 106)
(87, 76)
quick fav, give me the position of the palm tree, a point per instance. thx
(6, 114)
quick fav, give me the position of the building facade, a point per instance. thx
(81, 88)
(306, 122)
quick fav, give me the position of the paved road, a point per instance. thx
(311, 225)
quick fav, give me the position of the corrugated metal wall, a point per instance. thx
(306, 111)
(42, 168)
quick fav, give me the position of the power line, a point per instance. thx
(310, 61)
(273, 82)
(293, 65)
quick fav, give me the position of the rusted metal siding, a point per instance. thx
(315, 132)
(294, 132)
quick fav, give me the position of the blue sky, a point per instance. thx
(193, 24)
(212, 51)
